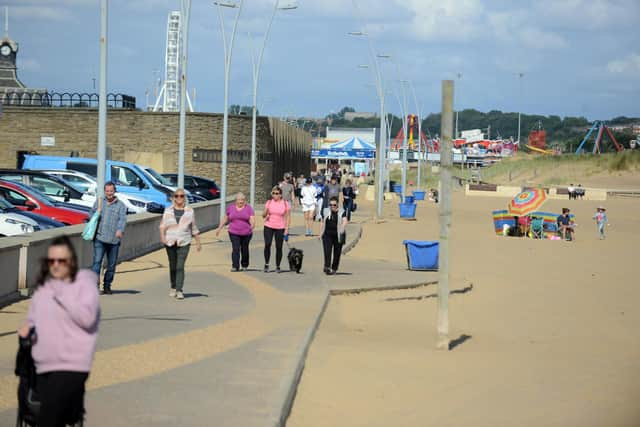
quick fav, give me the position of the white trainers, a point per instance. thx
(172, 293)
(179, 295)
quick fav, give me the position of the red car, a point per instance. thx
(29, 199)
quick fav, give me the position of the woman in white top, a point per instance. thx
(308, 195)
(177, 227)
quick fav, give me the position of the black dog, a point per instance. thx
(295, 259)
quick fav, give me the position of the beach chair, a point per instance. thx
(537, 228)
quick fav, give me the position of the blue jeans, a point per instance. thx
(347, 204)
(99, 251)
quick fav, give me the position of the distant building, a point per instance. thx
(350, 116)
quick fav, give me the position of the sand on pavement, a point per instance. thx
(546, 331)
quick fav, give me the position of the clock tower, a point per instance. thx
(8, 69)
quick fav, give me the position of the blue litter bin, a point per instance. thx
(407, 210)
(396, 188)
(408, 199)
(422, 255)
(419, 195)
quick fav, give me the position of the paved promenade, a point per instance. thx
(226, 355)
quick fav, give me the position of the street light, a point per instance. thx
(456, 106)
(102, 101)
(185, 10)
(520, 76)
(380, 165)
(405, 122)
(419, 111)
(256, 66)
(228, 50)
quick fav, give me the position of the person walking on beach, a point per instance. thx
(113, 219)
(333, 236)
(277, 217)
(177, 227)
(308, 194)
(348, 198)
(601, 220)
(62, 324)
(242, 221)
(287, 189)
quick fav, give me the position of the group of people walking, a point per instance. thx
(64, 315)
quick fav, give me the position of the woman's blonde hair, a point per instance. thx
(276, 188)
(178, 191)
(240, 195)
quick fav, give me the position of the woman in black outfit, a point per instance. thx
(333, 235)
(348, 197)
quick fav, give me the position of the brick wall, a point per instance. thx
(154, 137)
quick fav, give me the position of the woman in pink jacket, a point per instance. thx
(63, 322)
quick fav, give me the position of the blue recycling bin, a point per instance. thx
(407, 210)
(422, 255)
(419, 195)
(408, 199)
(396, 188)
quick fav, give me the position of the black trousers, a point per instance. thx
(239, 250)
(62, 398)
(331, 246)
(269, 234)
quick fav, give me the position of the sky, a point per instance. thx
(576, 57)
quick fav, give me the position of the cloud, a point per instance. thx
(516, 27)
(629, 64)
(40, 13)
(29, 64)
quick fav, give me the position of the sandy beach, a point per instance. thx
(545, 332)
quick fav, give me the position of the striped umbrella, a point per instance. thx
(527, 201)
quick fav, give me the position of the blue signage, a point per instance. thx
(343, 154)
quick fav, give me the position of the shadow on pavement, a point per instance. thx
(462, 338)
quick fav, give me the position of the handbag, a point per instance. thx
(342, 238)
(354, 206)
(90, 228)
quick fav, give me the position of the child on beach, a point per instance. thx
(601, 219)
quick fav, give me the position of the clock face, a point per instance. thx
(5, 50)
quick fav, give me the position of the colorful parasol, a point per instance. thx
(527, 201)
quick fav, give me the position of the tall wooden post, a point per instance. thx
(446, 169)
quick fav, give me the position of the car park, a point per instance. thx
(128, 177)
(54, 187)
(87, 183)
(198, 186)
(43, 222)
(30, 199)
(161, 180)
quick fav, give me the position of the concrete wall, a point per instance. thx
(9, 260)
(152, 139)
(20, 256)
(511, 191)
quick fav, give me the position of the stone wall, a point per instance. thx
(152, 139)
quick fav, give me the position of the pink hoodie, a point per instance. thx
(66, 317)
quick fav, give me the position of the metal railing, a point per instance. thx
(36, 98)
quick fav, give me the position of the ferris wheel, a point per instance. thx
(169, 96)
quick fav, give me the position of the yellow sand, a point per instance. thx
(552, 329)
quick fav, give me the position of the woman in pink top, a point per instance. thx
(241, 220)
(276, 223)
(63, 324)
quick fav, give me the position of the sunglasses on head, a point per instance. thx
(62, 261)
(178, 196)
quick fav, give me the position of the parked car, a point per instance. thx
(128, 177)
(197, 185)
(54, 187)
(43, 222)
(12, 224)
(161, 180)
(88, 184)
(30, 199)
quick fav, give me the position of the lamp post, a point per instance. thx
(520, 76)
(256, 67)
(455, 135)
(419, 111)
(102, 101)
(185, 10)
(382, 134)
(228, 50)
